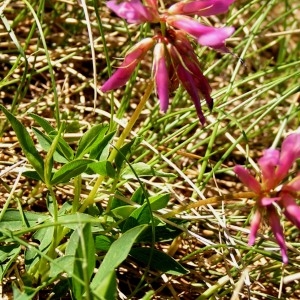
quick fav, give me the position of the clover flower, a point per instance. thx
(173, 53)
(275, 165)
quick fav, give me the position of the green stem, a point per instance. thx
(77, 191)
(90, 199)
(211, 200)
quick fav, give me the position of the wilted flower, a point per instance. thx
(187, 67)
(161, 75)
(173, 53)
(274, 166)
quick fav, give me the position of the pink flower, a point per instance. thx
(200, 7)
(174, 59)
(205, 35)
(274, 166)
(133, 11)
(131, 60)
(161, 75)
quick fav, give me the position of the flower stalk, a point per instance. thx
(90, 199)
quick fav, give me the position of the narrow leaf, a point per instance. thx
(101, 151)
(104, 168)
(45, 143)
(159, 201)
(26, 143)
(84, 262)
(8, 254)
(91, 139)
(123, 153)
(107, 288)
(42, 122)
(62, 264)
(13, 220)
(141, 215)
(70, 170)
(116, 254)
(103, 242)
(160, 261)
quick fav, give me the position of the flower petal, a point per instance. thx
(290, 151)
(161, 75)
(291, 209)
(131, 60)
(133, 11)
(189, 84)
(293, 185)
(205, 35)
(278, 232)
(191, 63)
(187, 80)
(200, 7)
(255, 223)
(247, 179)
(265, 201)
(268, 163)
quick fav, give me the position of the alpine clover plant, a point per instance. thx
(275, 165)
(174, 59)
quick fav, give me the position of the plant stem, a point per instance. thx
(211, 200)
(90, 199)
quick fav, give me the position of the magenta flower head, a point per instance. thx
(202, 8)
(133, 11)
(131, 60)
(275, 166)
(174, 59)
(205, 35)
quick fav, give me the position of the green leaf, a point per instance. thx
(123, 212)
(70, 170)
(116, 201)
(107, 288)
(91, 139)
(159, 201)
(104, 168)
(44, 236)
(139, 196)
(141, 215)
(101, 152)
(42, 122)
(84, 263)
(123, 154)
(142, 170)
(62, 264)
(26, 143)
(160, 261)
(116, 254)
(72, 244)
(8, 254)
(103, 242)
(13, 219)
(63, 147)
(32, 175)
(21, 295)
(163, 232)
(46, 143)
